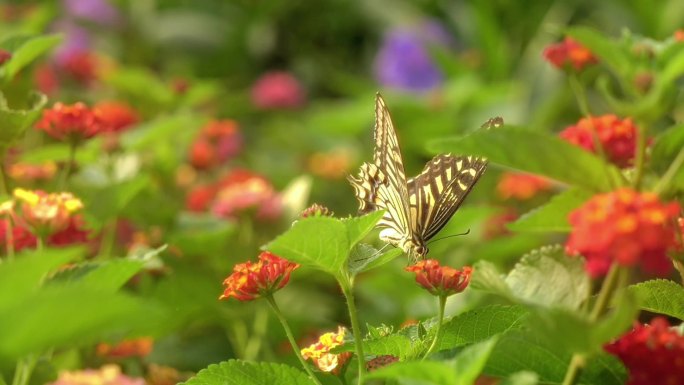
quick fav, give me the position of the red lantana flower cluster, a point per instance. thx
(218, 142)
(240, 191)
(439, 280)
(569, 54)
(73, 123)
(115, 116)
(139, 347)
(625, 227)
(616, 136)
(319, 352)
(653, 354)
(521, 186)
(250, 280)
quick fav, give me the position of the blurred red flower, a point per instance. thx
(521, 186)
(277, 89)
(82, 67)
(244, 190)
(200, 198)
(495, 226)
(21, 237)
(569, 54)
(138, 347)
(319, 352)
(74, 122)
(250, 280)
(616, 136)
(45, 78)
(679, 35)
(217, 142)
(4, 56)
(333, 164)
(115, 116)
(653, 354)
(32, 172)
(439, 280)
(45, 213)
(625, 227)
(74, 232)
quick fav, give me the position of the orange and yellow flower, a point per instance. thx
(569, 54)
(250, 280)
(32, 172)
(624, 227)
(72, 123)
(617, 137)
(46, 213)
(319, 352)
(439, 280)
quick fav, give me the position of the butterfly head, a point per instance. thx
(415, 249)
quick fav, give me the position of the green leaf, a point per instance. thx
(660, 296)
(108, 200)
(199, 234)
(469, 327)
(76, 316)
(545, 277)
(14, 122)
(553, 216)
(470, 361)
(249, 373)
(142, 85)
(608, 52)
(26, 271)
(519, 351)
(365, 257)
(413, 372)
(666, 148)
(25, 49)
(359, 227)
(318, 242)
(107, 276)
(535, 152)
(180, 128)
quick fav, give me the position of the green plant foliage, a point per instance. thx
(241, 372)
(553, 216)
(660, 296)
(25, 49)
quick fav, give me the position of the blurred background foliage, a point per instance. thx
(297, 79)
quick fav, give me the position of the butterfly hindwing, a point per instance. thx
(438, 191)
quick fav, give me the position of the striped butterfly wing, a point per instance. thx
(436, 193)
(382, 184)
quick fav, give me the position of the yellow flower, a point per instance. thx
(46, 213)
(319, 352)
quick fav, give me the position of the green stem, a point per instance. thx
(4, 180)
(640, 155)
(665, 181)
(68, 167)
(9, 236)
(440, 321)
(356, 328)
(260, 326)
(25, 367)
(108, 237)
(290, 337)
(613, 280)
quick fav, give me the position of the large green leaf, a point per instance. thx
(661, 296)
(520, 351)
(107, 276)
(666, 150)
(359, 227)
(535, 152)
(553, 216)
(14, 122)
(414, 372)
(249, 373)
(76, 316)
(25, 49)
(545, 277)
(471, 361)
(318, 242)
(480, 324)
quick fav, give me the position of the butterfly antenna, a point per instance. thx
(449, 236)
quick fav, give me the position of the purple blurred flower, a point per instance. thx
(96, 11)
(404, 61)
(76, 41)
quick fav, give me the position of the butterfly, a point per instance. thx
(416, 208)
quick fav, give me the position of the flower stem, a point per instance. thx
(356, 329)
(22, 374)
(68, 167)
(290, 337)
(612, 281)
(440, 321)
(665, 181)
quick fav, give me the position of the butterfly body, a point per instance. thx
(416, 208)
